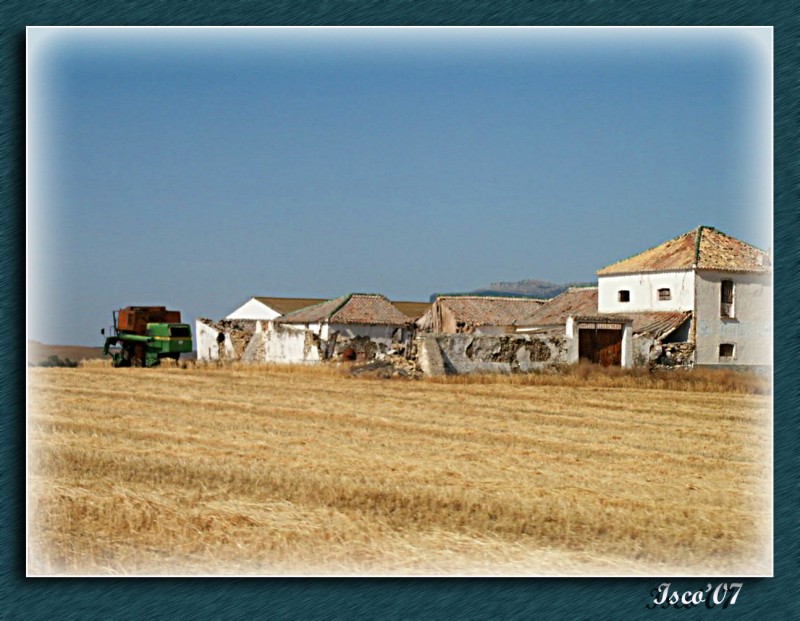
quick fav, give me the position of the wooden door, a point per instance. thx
(601, 346)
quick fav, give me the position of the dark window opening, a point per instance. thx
(726, 299)
(624, 296)
(664, 294)
(180, 331)
(725, 350)
(220, 338)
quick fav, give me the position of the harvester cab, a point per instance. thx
(144, 335)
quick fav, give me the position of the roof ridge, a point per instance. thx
(305, 308)
(282, 297)
(339, 307)
(677, 237)
(491, 297)
(697, 237)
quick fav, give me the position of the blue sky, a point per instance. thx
(196, 167)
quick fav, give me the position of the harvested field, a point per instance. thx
(309, 471)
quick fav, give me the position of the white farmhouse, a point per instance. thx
(725, 283)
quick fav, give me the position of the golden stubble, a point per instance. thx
(308, 471)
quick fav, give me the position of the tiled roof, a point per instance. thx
(704, 248)
(478, 310)
(574, 301)
(412, 310)
(288, 305)
(581, 303)
(658, 325)
(364, 308)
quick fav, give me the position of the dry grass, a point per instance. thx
(299, 470)
(705, 379)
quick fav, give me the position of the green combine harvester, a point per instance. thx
(143, 335)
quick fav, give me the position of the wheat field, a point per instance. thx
(308, 471)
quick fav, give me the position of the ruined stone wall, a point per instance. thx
(366, 342)
(648, 352)
(453, 354)
(289, 344)
(676, 355)
(226, 339)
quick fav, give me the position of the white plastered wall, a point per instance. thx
(643, 290)
(750, 328)
(289, 345)
(206, 341)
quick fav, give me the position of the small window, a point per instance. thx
(726, 351)
(726, 299)
(624, 296)
(664, 294)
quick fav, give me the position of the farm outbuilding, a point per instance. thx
(356, 326)
(228, 338)
(611, 339)
(250, 335)
(474, 314)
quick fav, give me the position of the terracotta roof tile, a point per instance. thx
(489, 310)
(581, 302)
(718, 251)
(574, 301)
(658, 325)
(703, 248)
(372, 309)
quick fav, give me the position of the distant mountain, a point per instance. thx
(521, 288)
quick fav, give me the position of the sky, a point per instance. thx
(197, 167)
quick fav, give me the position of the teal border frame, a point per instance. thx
(223, 598)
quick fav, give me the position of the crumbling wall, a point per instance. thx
(275, 342)
(256, 348)
(206, 343)
(363, 342)
(649, 352)
(676, 355)
(290, 345)
(226, 339)
(645, 350)
(453, 354)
